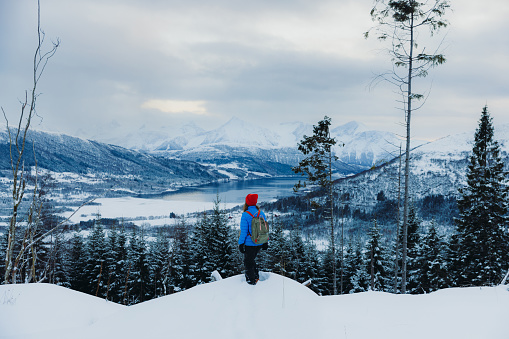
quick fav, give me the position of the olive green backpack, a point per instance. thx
(259, 229)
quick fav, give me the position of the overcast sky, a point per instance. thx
(127, 64)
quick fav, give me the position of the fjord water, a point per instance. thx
(234, 192)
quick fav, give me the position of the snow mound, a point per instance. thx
(277, 307)
(41, 310)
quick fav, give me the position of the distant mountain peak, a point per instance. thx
(191, 128)
(237, 132)
(350, 128)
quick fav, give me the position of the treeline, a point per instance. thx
(434, 207)
(127, 266)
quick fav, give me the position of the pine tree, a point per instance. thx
(317, 166)
(376, 260)
(220, 245)
(278, 251)
(295, 266)
(138, 282)
(311, 266)
(122, 268)
(181, 256)
(480, 246)
(202, 262)
(160, 264)
(56, 267)
(432, 263)
(115, 264)
(360, 280)
(76, 261)
(330, 260)
(94, 269)
(413, 244)
(353, 262)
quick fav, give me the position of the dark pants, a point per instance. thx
(250, 263)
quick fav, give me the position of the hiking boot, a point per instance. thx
(253, 282)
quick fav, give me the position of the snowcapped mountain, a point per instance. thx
(241, 149)
(234, 133)
(360, 146)
(436, 168)
(129, 169)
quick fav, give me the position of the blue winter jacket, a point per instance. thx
(245, 226)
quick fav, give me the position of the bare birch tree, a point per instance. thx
(18, 143)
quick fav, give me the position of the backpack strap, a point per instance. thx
(252, 216)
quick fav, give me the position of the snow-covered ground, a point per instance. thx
(155, 212)
(276, 307)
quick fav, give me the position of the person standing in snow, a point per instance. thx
(246, 244)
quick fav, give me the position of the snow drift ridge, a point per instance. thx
(277, 307)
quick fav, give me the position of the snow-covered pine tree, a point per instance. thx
(115, 261)
(413, 244)
(295, 266)
(122, 267)
(375, 260)
(159, 264)
(138, 282)
(480, 246)
(56, 266)
(352, 262)
(311, 266)
(181, 257)
(202, 263)
(360, 280)
(76, 263)
(432, 262)
(221, 244)
(330, 260)
(278, 252)
(95, 253)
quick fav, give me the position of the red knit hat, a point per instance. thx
(251, 199)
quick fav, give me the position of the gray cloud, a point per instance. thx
(276, 61)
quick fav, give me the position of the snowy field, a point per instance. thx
(276, 307)
(155, 212)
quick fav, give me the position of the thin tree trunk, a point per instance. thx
(342, 250)
(126, 281)
(332, 225)
(407, 159)
(372, 270)
(396, 264)
(99, 279)
(108, 286)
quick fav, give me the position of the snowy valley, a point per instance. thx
(149, 255)
(78, 169)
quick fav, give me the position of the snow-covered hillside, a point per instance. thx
(437, 168)
(276, 307)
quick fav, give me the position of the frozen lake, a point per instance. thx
(234, 192)
(156, 209)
